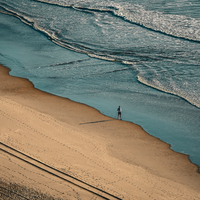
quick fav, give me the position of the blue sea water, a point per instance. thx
(142, 55)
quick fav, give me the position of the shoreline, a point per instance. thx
(117, 156)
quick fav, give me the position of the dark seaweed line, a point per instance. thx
(76, 184)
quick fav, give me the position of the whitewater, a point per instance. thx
(141, 55)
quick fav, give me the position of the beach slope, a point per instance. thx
(54, 148)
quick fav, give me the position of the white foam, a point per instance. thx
(157, 85)
(174, 25)
(101, 57)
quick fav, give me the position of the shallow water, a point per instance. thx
(112, 53)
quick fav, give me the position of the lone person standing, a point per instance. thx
(119, 109)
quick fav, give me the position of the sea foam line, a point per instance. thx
(178, 26)
(164, 89)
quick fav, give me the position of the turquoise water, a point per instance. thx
(143, 56)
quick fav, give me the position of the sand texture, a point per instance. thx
(54, 148)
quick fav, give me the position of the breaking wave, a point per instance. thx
(178, 26)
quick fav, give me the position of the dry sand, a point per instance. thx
(77, 153)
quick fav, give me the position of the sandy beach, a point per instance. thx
(54, 148)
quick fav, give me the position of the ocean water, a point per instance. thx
(142, 55)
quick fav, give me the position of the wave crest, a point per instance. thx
(173, 25)
(157, 85)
